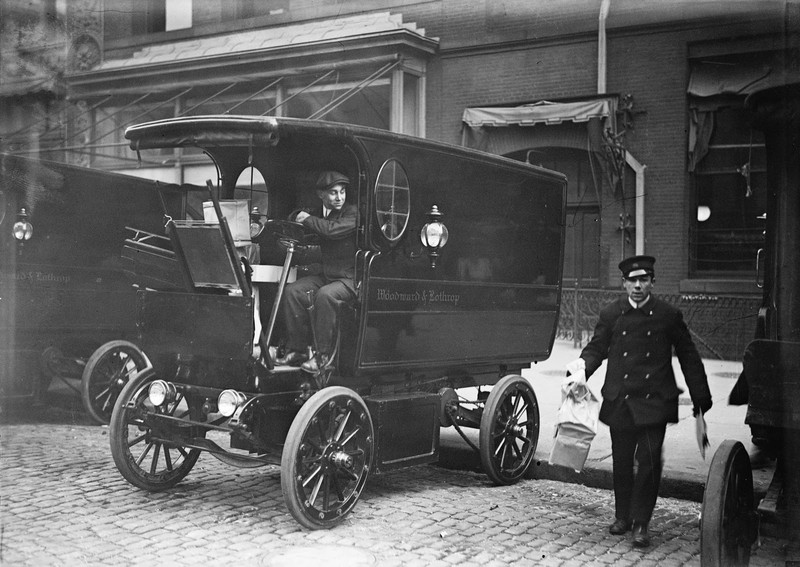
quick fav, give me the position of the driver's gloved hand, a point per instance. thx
(293, 215)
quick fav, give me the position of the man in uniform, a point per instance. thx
(335, 224)
(637, 334)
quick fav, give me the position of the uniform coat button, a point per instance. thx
(625, 377)
(624, 354)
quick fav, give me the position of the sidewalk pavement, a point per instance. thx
(685, 471)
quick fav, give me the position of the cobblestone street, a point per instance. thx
(64, 503)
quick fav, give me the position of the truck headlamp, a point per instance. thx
(161, 392)
(229, 401)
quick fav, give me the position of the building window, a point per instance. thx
(730, 198)
(105, 141)
(232, 10)
(368, 106)
(150, 16)
(178, 15)
(154, 16)
(347, 96)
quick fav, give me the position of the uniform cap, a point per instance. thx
(637, 266)
(328, 178)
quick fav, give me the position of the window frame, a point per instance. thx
(393, 186)
(719, 167)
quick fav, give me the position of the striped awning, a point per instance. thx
(543, 112)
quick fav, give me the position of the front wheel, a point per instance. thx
(727, 525)
(327, 457)
(509, 431)
(107, 371)
(143, 456)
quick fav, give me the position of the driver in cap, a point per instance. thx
(334, 221)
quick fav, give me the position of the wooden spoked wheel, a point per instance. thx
(327, 457)
(107, 371)
(142, 455)
(509, 430)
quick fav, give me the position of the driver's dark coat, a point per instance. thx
(337, 242)
(638, 344)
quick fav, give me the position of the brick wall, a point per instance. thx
(487, 59)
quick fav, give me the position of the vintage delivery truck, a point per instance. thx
(63, 287)
(456, 256)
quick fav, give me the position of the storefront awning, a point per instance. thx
(506, 129)
(728, 77)
(710, 78)
(726, 81)
(543, 112)
(588, 124)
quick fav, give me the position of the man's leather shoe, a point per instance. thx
(640, 536)
(619, 527)
(292, 358)
(313, 365)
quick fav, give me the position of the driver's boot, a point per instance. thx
(316, 364)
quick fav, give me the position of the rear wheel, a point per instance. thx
(727, 527)
(327, 457)
(509, 431)
(107, 371)
(142, 455)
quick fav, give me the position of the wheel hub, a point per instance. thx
(515, 429)
(334, 455)
(342, 459)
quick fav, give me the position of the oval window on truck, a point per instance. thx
(392, 200)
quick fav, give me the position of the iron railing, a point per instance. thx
(721, 326)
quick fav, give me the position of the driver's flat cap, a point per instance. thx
(327, 179)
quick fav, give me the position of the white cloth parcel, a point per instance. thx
(577, 365)
(576, 425)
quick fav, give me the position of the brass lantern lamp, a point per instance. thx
(434, 234)
(22, 229)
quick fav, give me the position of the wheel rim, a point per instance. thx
(144, 456)
(509, 430)
(107, 373)
(326, 466)
(735, 519)
(727, 514)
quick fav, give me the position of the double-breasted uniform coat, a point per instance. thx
(639, 344)
(640, 395)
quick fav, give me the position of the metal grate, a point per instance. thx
(721, 326)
